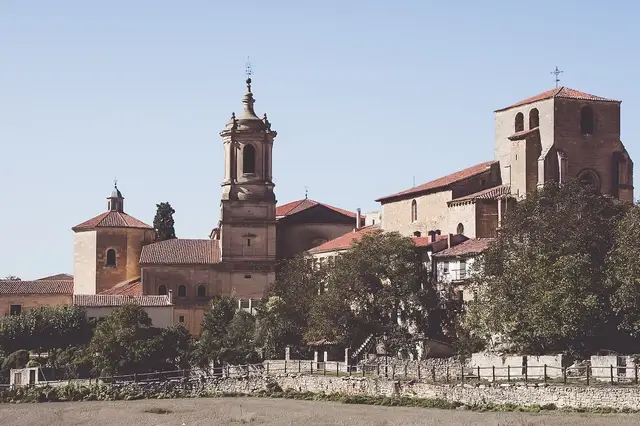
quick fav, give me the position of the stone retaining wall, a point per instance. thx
(562, 396)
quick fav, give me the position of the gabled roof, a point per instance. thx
(181, 252)
(559, 92)
(132, 287)
(443, 182)
(467, 248)
(304, 204)
(112, 300)
(345, 241)
(485, 194)
(36, 287)
(64, 277)
(111, 219)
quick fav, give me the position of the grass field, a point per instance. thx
(264, 411)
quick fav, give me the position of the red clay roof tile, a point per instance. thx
(131, 287)
(486, 194)
(36, 287)
(301, 205)
(57, 277)
(111, 220)
(559, 92)
(113, 300)
(443, 182)
(181, 252)
(345, 241)
(466, 248)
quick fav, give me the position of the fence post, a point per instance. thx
(337, 368)
(526, 373)
(611, 374)
(135, 378)
(433, 373)
(447, 379)
(478, 373)
(363, 368)
(588, 368)
(545, 374)
(299, 366)
(378, 364)
(405, 370)
(462, 374)
(418, 370)
(493, 373)
(393, 371)
(564, 375)
(508, 373)
(311, 362)
(636, 372)
(267, 368)
(324, 368)
(285, 366)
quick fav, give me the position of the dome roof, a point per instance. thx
(248, 120)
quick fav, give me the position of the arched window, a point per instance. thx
(162, 290)
(182, 291)
(460, 229)
(534, 118)
(111, 257)
(248, 159)
(586, 120)
(519, 126)
(589, 177)
(414, 211)
(202, 291)
(417, 234)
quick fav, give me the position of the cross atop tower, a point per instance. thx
(557, 73)
(115, 182)
(306, 192)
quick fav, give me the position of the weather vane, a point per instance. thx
(247, 68)
(306, 192)
(557, 73)
(115, 182)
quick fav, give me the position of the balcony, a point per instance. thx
(455, 275)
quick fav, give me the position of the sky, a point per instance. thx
(366, 96)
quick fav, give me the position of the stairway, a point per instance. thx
(364, 346)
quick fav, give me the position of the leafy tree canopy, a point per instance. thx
(163, 222)
(543, 285)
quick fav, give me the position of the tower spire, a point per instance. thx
(248, 99)
(557, 73)
(116, 200)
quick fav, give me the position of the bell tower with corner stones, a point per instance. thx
(247, 219)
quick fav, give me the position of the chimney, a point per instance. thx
(432, 236)
(449, 240)
(170, 292)
(358, 219)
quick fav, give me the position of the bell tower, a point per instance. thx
(247, 219)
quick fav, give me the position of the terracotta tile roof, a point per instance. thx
(181, 252)
(57, 277)
(36, 287)
(517, 136)
(345, 241)
(111, 220)
(113, 300)
(466, 248)
(301, 205)
(560, 92)
(443, 182)
(131, 287)
(486, 194)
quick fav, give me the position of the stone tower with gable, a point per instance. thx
(562, 134)
(106, 248)
(247, 228)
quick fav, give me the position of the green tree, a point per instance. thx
(377, 288)
(542, 286)
(163, 222)
(211, 347)
(45, 329)
(124, 342)
(624, 273)
(284, 314)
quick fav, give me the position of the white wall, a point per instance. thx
(512, 366)
(161, 316)
(84, 262)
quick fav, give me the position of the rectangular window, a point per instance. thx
(244, 303)
(15, 310)
(445, 267)
(463, 269)
(247, 276)
(181, 319)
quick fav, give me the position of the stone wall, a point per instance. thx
(561, 396)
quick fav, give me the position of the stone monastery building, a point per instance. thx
(556, 135)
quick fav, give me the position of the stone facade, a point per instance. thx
(31, 301)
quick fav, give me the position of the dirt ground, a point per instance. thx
(263, 411)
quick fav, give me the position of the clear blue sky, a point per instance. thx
(140, 89)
